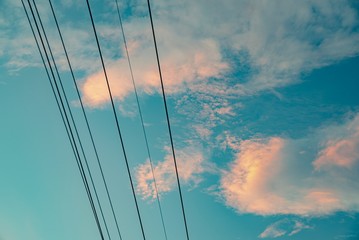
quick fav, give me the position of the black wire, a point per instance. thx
(72, 119)
(73, 144)
(116, 118)
(86, 120)
(141, 117)
(77, 157)
(48, 76)
(167, 117)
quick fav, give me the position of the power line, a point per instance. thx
(167, 117)
(86, 120)
(73, 143)
(116, 119)
(72, 119)
(77, 156)
(141, 117)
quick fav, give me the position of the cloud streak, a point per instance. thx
(277, 42)
(191, 165)
(284, 227)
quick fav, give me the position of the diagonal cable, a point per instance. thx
(68, 128)
(116, 119)
(167, 117)
(86, 120)
(141, 117)
(72, 119)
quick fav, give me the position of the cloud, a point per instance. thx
(276, 42)
(285, 40)
(346, 236)
(295, 176)
(199, 61)
(225, 50)
(272, 232)
(191, 165)
(283, 227)
(263, 35)
(342, 151)
(18, 44)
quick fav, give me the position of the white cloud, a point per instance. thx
(272, 232)
(276, 41)
(343, 150)
(191, 165)
(302, 177)
(203, 132)
(267, 30)
(198, 61)
(283, 227)
(286, 39)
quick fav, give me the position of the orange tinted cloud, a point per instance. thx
(179, 67)
(191, 164)
(342, 153)
(271, 176)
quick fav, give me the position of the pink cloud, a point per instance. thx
(273, 176)
(341, 153)
(191, 164)
(245, 185)
(180, 65)
(202, 131)
(191, 48)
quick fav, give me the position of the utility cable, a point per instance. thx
(116, 118)
(72, 118)
(86, 119)
(141, 117)
(167, 117)
(73, 140)
(74, 148)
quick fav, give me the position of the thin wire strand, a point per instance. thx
(116, 119)
(167, 117)
(141, 117)
(72, 120)
(73, 145)
(86, 120)
(78, 156)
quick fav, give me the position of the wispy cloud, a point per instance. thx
(180, 67)
(281, 176)
(263, 35)
(342, 151)
(191, 165)
(283, 227)
(276, 42)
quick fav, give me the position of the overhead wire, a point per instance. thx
(86, 120)
(167, 118)
(141, 117)
(115, 114)
(116, 118)
(68, 126)
(62, 116)
(48, 76)
(72, 120)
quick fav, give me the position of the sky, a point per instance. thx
(263, 105)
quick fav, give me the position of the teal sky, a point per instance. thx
(263, 103)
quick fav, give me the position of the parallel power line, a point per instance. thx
(62, 111)
(116, 119)
(72, 119)
(167, 117)
(86, 120)
(141, 118)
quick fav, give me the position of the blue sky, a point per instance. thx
(263, 103)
